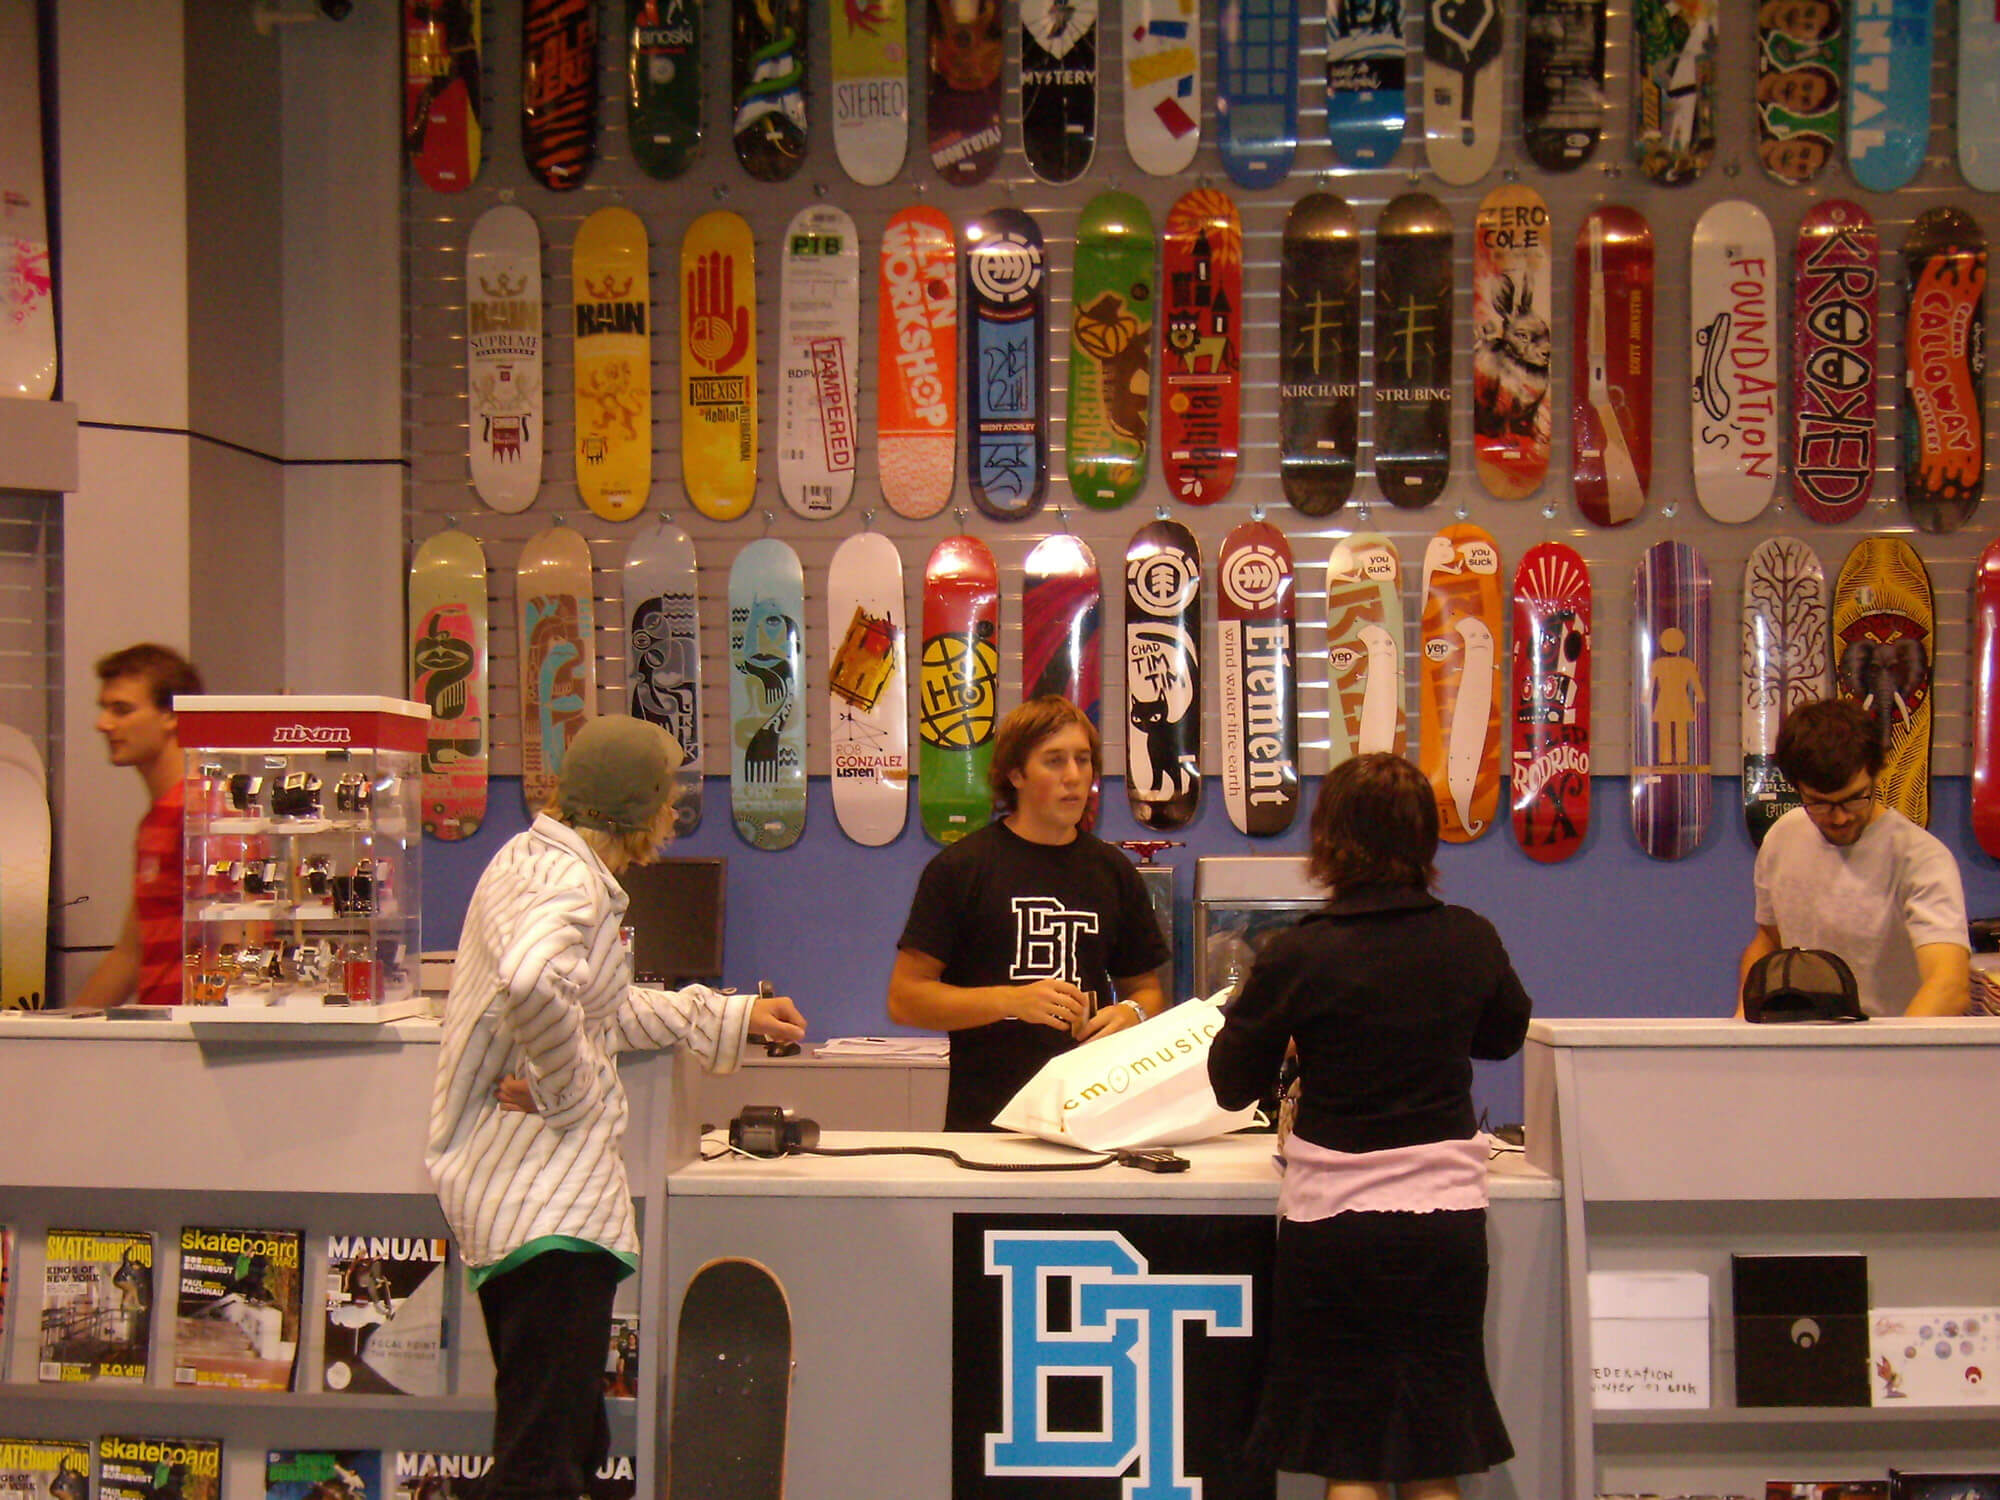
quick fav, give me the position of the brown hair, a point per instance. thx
(1375, 823)
(1024, 729)
(168, 674)
(1825, 745)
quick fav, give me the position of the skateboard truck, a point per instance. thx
(1145, 849)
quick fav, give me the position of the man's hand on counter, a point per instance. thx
(776, 1019)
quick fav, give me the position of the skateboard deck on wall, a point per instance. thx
(24, 874)
(1785, 664)
(503, 358)
(1162, 84)
(1611, 424)
(1986, 700)
(1562, 82)
(1059, 87)
(1733, 353)
(1889, 94)
(1163, 675)
(819, 356)
(958, 688)
(447, 638)
(28, 357)
(1462, 88)
(441, 91)
(868, 689)
(556, 613)
(1672, 793)
(1978, 120)
(1256, 633)
(559, 91)
(1835, 290)
(769, 86)
(1200, 357)
(1413, 321)
(965, 51)
(1944, 408)
(1319, 354)
(1364, 643)
(1367, 78)
(1111, 351)
(916, 352)
(1673, 94)
(1062, 609)
(1801, 72)
(1549, 760)
(719, 365)
(871, 89)
(1884, 644)
(614, 364)
(732, 1385)
(1006, 359)
(1458, 658)
(1257, 89)
(663, 653)
(1513, 419)
(767, 711)
(663, 84)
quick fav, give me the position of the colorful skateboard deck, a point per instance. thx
(1835, 285)
(767, 678)
(24, 874)
(1006, 359)
(1978, 121)
(1801, 70)
(1986, 701)
(1163, 675)
(1319, 354)
(719, 365)
(663, 653)
(1889, 94)
(1673, 95)
(1672, 794)
(1062, 611)
(871, 89)
(1944, 407)
(1257, 89)
(1162, 84)
(1462, 88)
(1513, 419)
(1549, 779)
(1256, 633)
(503, 358)
(441, 91)
(819, 357)
(27, 277)
(1367, 68)
(1111, 351)
(1059, 87)
(1562, 82)
(732, 1385)
(868, 689)
(663, 84)
(916, 353)
(448, 672)
(614, 364)
(559, 91)
(1611, 424)
(1458, 645)
(1884, 644)
(1413, 322)
(1733, 352)
(1364, 645)
(1785, 664)
(769, 86)
(958, 688)
(1200, 361)
(963, 110)
(555, 610)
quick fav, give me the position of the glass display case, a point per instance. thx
(1239, 900)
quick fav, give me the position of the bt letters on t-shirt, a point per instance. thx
(1048, 939)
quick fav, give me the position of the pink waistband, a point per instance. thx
(1320, 1183)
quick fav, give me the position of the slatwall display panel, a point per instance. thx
(438, 225)
(30, 612)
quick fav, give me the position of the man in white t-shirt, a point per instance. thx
(1846, 874)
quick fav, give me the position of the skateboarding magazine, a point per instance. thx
(97, 1306)
(236, 1322)
(385, 1332)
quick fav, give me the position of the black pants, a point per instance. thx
(549, 1322)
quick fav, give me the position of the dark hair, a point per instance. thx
(168, 674)
(1827, 744)
(1375, 823)
(1025, 728)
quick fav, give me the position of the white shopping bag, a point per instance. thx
(1146, 1085)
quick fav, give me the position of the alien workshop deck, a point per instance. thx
(1257, 89)
(1672, 794)
(1364, 643)
(1256, 625)
(1978, 121)
(1835, 290)
(1006, 358)
(1549, 779)
(732, 1385)
(1163, 675)
(1785, 664)
(441, 89)
(963, 109)
(24, 873)
(1062, 655)
(769, 86)
(1986, 700)
(1413, 250)
(1200, 361)
(1162, 84)
(559, 91)
(1889, 94)
(1367, 71)
(1458, 646)
(719, 365)
(871, 89)
(1319, 354)
(1562, 82)
(663, 96)
(819, 356)
(1801, 72)
(1884, 643)
(614, 364)
(1611, 424)
(958, 688)
(663, 653)
(503, 358)
(27, 319)
(1733, 352)
(1059, 87)
(1944, 410)
(916, 351)
(556, 613)
(1111, 351)
(448, 672)
(767, 710)
(1673, 95)
(1513, 420)
(868, 689)
(1462, 88)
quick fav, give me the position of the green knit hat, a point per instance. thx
(617, 774)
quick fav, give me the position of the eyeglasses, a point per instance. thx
(1845, 807)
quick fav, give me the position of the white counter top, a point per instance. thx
(1726, 1031)
(348, 1025)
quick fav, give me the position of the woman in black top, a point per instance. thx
(1377, 1376)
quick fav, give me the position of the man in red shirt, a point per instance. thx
(136, 717)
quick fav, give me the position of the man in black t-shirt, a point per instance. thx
(1022, 933)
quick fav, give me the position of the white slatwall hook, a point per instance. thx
(958, 515)
(1062, 519)
(1671, 509)
(1160, 513)
(1464, 510)
(769, 520)
(720, 192)
(868, 519)
(1257, 511)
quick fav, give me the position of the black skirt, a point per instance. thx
(1378, 1350)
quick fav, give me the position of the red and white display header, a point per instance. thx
(223, 722)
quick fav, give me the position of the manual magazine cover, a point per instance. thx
(97, 1306)
(236, 1324)
(323, 1474)
(621, 1361)
(617, 1478)
(44, 1469)
(1981, 1484)
(151, 1468)
(441, 1476)
(385, 1328)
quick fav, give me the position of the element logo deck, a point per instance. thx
(1364, 643)
(963, 114)
(1062, 600)
(871, 89)
(732, 1385)
(1549, 783)
(767, 676)
(916, 406)
(1732, 325)
(1163, 675)
(1986, 700)
(1612, 417)
(663, 653)
(958, 688)
(868, 689)
(441, 78)
(1513, 420)
(555, 610)
(1162, 84)
(1413, 350)
(1784, 665)
(1462, 88)
(1059, 87)
(1257, 89)
(1889, 93)
(1111, 351)
(1671, 791)
(503, 342)
(1006, 354)
(1200, 363)
(663, 93)
(1255, 629)
(1673, 134)
(559, 91)
(1562, 82)
(448, 672)
(1835, 285)
(27, 278)
(1801, 68)
(1884, 643)
(614, 364)
(819, 353)
(1944, 414)
(1319, 354)
(768, 84)
(1979, 96)
(1366, 79)
(1459, 661)
(719, 365)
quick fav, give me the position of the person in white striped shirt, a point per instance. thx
(528, 1115)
